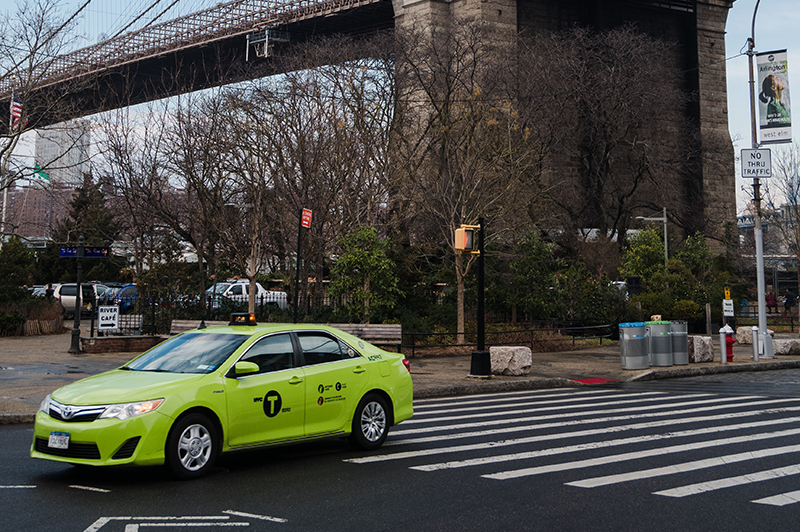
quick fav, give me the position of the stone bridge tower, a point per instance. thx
(698, 26)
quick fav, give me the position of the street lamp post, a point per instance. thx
(659, 219)
(764, 343)
(75, 344)
(481, 363)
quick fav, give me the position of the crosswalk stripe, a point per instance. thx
(557, 450)
(705, 408)
(783, 499)
(423, 419)
(683, 468)
(497, 398)
(537, 401)
(581, 464)
(617, 428)
(722, 483)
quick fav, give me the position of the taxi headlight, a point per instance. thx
(126, 410)
(45, 405)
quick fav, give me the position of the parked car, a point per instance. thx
(38, 291)
(226, 388)
(66, 294)
(111, 291)
(238, 290)
(126, 298)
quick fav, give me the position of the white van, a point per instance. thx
(238, 290)
(66, 294)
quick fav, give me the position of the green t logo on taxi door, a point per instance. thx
(272, 403)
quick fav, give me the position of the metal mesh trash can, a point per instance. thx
(659, 343)
(633, 345)
(680, 343)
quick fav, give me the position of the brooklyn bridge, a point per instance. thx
(238, 40)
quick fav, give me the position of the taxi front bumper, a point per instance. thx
(138, 440)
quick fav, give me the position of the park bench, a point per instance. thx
(379, 334)
(179, 326)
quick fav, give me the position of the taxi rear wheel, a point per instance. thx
(192, 447)
(370, 423)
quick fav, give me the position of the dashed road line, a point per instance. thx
(89, 488)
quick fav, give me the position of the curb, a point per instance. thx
(712, 370)
(16, 419)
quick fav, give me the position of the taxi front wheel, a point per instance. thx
(370, 423)
(192, 447)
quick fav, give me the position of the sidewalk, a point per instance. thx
(33, 366)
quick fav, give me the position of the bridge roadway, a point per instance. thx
(214, 47)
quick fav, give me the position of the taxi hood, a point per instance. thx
(124, 386)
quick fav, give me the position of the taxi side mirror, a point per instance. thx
(245, 368)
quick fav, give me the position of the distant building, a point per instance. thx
(34, 210)
(63, 152)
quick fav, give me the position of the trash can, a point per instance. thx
(659, 343)
(680, 343)
(633, 345)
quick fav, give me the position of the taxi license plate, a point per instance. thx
(58, 440)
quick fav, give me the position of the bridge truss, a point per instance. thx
(221, 22)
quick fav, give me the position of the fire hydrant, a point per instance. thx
(729, 341)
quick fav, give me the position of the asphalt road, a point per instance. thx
(649, 456)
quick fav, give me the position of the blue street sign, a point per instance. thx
(88, 252)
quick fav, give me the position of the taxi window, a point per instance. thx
(319, 347)
(272, 353)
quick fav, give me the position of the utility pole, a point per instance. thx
(765, 348)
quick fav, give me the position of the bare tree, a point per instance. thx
(784, 190)
(34, 34)
(626, 135)
(463, 147)
(132, 171)
(325, 136)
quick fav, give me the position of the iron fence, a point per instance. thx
(748, 316)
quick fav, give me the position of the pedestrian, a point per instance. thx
(48, 292)
(772, 302)
(790, 298)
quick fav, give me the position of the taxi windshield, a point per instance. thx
(189, 353)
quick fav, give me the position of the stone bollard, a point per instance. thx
(508, 360)
(701, 349)
(744, 335)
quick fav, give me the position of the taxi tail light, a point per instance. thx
(407, 364)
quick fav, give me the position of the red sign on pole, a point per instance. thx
(306, 220)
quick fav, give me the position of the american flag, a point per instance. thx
(16, 111)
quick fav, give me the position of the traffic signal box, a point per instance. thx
(465, 239)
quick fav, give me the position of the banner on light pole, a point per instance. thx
(774, 104)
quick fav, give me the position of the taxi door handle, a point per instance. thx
(359, 369)
(295, 380)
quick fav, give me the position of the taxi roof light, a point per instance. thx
(243, 318)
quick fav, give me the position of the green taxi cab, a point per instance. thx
(227, 388)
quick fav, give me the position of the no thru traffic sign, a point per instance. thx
(756, 163)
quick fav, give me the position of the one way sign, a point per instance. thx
(756, 163)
